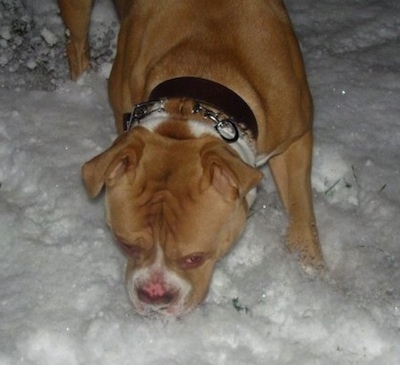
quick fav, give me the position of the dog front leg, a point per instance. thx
(291, 171)
(76, 17)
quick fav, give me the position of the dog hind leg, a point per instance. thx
(76, 17)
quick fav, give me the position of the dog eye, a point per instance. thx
(129, 249)
(193, 261)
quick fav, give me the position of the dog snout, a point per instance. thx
(156, 293)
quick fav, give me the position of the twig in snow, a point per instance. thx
(327, 191)
(383, 187)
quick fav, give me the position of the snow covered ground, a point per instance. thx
(62, 296)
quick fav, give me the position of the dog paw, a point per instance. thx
(313, 269)
(303, 242)
(309, 257)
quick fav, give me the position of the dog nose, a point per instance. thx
(156, 294)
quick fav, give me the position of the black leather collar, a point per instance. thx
(208, 92)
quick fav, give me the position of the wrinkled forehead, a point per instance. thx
(181, 220)
(169, 199)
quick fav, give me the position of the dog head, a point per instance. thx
(175, 205)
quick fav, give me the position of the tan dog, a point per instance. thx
(226, 91)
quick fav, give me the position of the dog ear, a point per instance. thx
(108, 167)
(229, 175)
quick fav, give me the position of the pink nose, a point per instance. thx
(156, 293)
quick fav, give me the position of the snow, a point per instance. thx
(62, 296)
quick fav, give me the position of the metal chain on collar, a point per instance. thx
(143, 110)
(226, 127)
